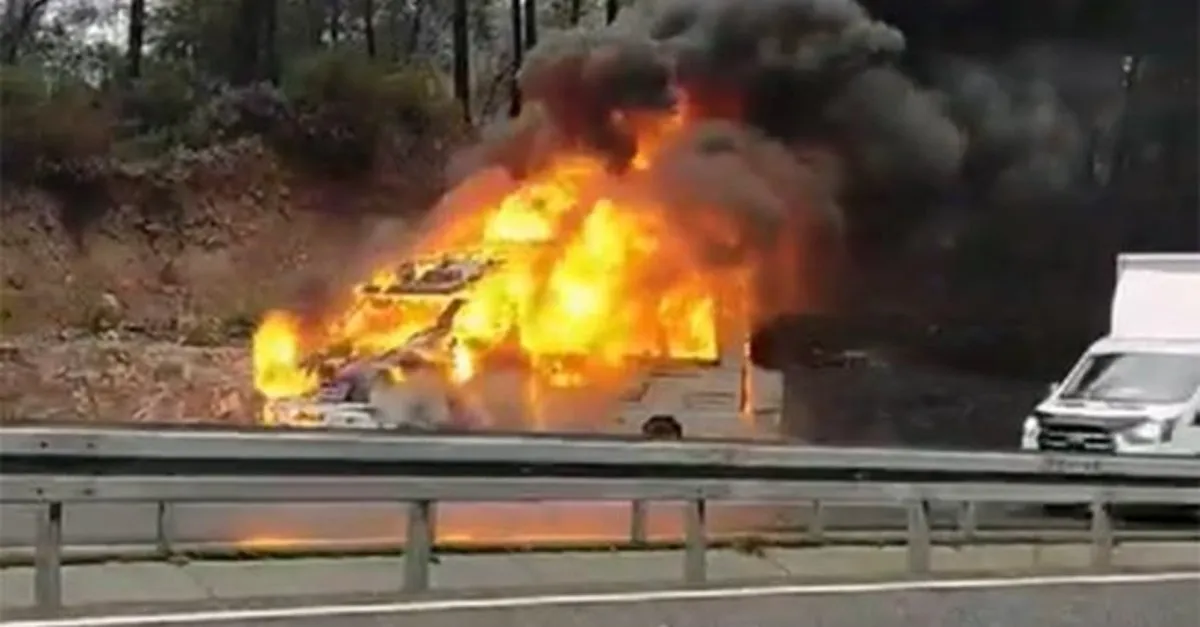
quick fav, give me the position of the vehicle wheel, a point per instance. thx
(662, 427)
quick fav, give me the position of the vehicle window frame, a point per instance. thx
(1085, 364)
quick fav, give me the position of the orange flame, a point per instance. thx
(590, 280)
(277, 356)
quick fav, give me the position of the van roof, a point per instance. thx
(1152, 345)
(1156, 296)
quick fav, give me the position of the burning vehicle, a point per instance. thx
(675, 181)
(427, 377)
(564, 301)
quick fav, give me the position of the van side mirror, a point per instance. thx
(1051, 388)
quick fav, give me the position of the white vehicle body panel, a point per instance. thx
(1157, 297)
(732, 399)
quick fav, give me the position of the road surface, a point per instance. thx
(1154, 600)
(1169, 604)
(283, 581)
(292, 525)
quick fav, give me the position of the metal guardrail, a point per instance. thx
(305, 452)
(50, 467)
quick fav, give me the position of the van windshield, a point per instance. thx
(1136, 378)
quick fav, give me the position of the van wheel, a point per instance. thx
(662, 427)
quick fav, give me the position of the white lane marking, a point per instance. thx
(652, 596)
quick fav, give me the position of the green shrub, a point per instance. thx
(417, 101)
(339, 122)
(21, 89)
(52, 132)
(163, 99)
(345, 106)
(237, 112)
(335, 111)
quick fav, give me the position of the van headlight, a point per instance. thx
(1151, 431)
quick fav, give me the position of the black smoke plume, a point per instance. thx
(819, 80)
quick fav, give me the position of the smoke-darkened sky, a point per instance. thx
(826, 81)
(878, 117)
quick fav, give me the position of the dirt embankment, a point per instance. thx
(124, 379)
(137, 301)
(195, 245)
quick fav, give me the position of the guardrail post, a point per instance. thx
(1102, 535)
(919, 540)
(164, 528)
(695, 564)
(47, 558)
(968, 520)
(418, 546)
(637, 523)
(816, 522)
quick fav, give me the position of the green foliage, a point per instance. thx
(340, 108)
(236, 112)
(417, 99)
(54, 131)
(195, 33)
(334, 107)
(346, 105)
(164, 97)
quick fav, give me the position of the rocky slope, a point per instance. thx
(188, 248)
(123, 380)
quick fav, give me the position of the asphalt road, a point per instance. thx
(1120, 601)
(1132, 605)
(285, 525)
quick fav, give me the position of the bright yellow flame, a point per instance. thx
(276, 357)
(590, 277)
(463, 368)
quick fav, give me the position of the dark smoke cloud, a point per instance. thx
(1025, 143)
(784, 85)
(572, 83)
(720, 164)
(581, 78)
(894, 131)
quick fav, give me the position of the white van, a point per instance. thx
(1136, 391)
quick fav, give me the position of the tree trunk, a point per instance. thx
(576, 13)
(314, 23)
(514, 14)
(368, 10)
(270, 40)
(19, 19)
(392, 34)
(414, 33)
(531, 24)
(611, 8)
(8, 34)
(137, 30)
(462, 58)
(247, 61)
(335, 21)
